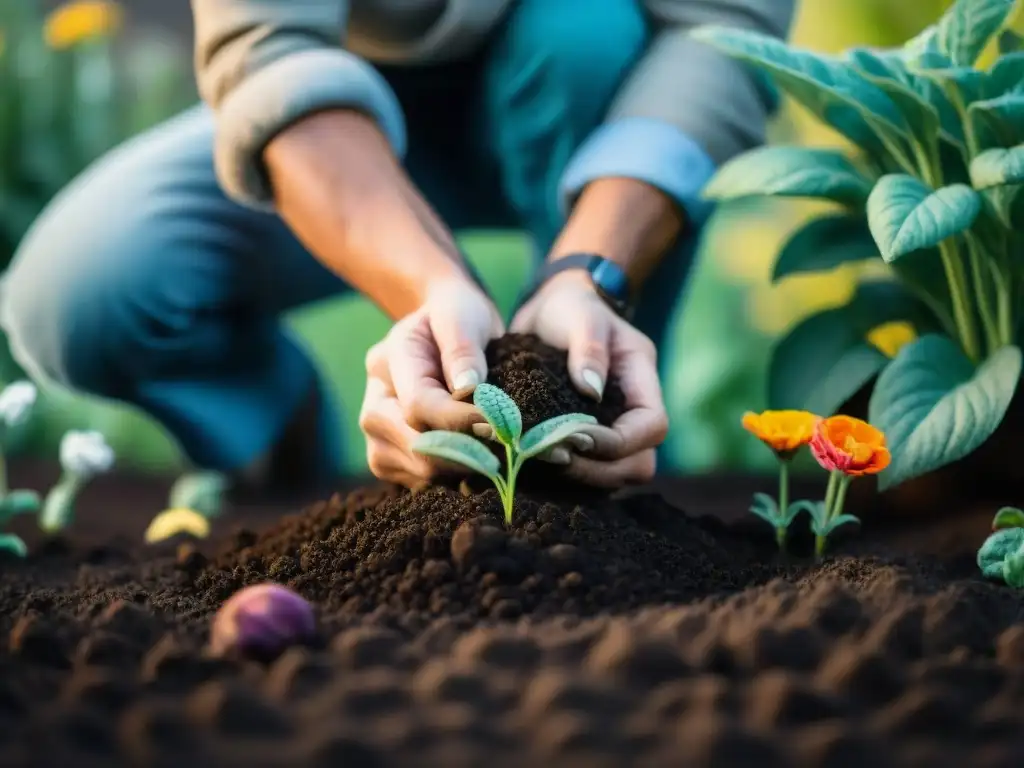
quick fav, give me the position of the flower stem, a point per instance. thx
(512, 465)
(962, 314)
(830, 492)
(780, 531)
(840, 499)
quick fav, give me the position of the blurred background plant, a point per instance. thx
(77, 78)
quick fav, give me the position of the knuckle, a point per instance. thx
(376, 358)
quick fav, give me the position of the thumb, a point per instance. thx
(461, 337)
(589, 341)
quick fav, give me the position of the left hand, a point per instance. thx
(568, 314)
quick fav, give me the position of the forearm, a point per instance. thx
(339, 186)
(625, 220)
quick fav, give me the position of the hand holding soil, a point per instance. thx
(568, 314)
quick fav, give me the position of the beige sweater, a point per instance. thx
(263, 64)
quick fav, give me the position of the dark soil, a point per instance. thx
(603, 631)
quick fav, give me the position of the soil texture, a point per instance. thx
(625, 630)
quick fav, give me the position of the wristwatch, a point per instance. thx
(610, 280)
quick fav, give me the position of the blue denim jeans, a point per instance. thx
(143, 283)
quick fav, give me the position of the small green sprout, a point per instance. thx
(506, 420)
(768, 509)
(823, 519)
(1001, 557)
(16, 403)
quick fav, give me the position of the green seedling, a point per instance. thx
(16, 403)
(1008, 517)
(83, 455)
(1001, 557)
(768, 509)
(823, 521)
(505, 419)
(933, 188)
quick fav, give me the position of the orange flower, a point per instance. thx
(782, 431)
(851, 446)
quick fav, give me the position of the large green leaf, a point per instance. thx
(1009, 42)
(831, 89)
(967, 27)
(906, 215)
(825, 243)
(997, 122)
(935, 407)
(1006, 76)
(996, 167)
(790, 172)
(924, 105)
(825, 358)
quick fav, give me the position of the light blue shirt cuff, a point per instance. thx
(648, 150)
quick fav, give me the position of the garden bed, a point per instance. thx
(656, 628)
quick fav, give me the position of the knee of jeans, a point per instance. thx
(100, 328)
(580, 49)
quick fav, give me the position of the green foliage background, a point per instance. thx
(76, 104)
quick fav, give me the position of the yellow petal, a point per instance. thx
(172, 522)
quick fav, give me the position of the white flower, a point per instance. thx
(15, 402)
(85, 454)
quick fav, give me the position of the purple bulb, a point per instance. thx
(262, 621)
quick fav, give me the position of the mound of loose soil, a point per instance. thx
(594, 631)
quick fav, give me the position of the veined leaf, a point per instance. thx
(550, 433)
(924, 44)
(790, 172)
(905, 215)
(825, 359)
(1005, 76)
(825, 243)
(459, 448)
(995, 167)
(935, 407)
(997, 122)
(924, 105)
(501, 412)
(967, 27)
(829, 88)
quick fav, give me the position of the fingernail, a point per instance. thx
(593, 380)
(581, 442)
(465, 382)
(558, 456)
(484, 431)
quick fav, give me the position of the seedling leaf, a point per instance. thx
(817, 511)
(790, 172)
(766, 508)
(905, 215)
(935, 407)
(549, 433)
(997, 548)
(500, 411)
(1008, 517)
(459, 448)
(13, 545)
(838, 521)
(20, 502)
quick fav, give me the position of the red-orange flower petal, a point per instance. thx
(782, 431)
(851, 446)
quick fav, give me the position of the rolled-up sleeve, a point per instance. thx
(262, 65)
(685, 108)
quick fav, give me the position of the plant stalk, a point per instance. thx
(962, 314)
(981, 293)
(780, 531)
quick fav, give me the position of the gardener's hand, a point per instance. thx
(418, 375)
(567, 313)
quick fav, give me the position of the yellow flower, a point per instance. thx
(172, 522)
(782, 431)
(81, 20)
(889, 338)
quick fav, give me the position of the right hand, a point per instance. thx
(418, 376)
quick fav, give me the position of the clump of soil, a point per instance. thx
(601, 631)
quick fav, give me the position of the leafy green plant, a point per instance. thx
(505, 419)
(1002, 555)
(934, 189)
